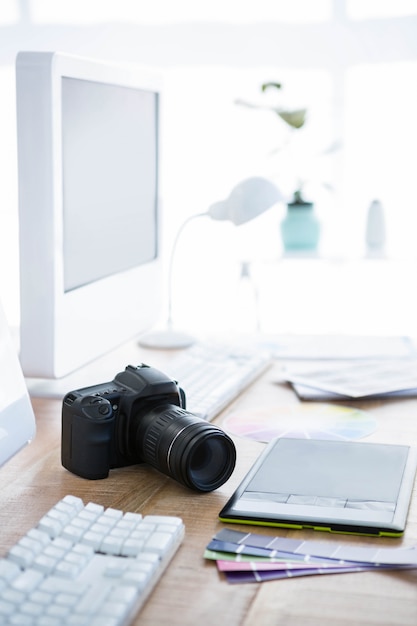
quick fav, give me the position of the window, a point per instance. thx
(364, 9)
(9, 12)
(179, 11)
(351, 63)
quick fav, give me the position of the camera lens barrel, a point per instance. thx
(185, 447)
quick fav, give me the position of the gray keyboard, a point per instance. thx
(214, 375)
(84, 565)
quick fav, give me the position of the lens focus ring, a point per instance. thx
(156, 430)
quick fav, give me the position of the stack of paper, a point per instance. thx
(250, 557)
(357, 379)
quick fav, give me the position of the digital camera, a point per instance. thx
(140, 417)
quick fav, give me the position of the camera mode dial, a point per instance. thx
(96, 407)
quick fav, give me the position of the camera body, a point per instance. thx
(90, 442)
(140, 417)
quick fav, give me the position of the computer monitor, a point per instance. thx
(89, 208)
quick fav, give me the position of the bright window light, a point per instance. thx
(9, 13)
(380, 156)
(365, 9)
(177, 11)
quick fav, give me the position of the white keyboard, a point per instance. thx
(84, 565)
(214, 375)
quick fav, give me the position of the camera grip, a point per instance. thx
(87, 428)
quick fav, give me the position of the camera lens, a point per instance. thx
(187, 448)
(208, 462)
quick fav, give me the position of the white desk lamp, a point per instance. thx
(247, 200)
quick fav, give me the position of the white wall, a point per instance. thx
(352, 63)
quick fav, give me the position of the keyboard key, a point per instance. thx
(27, 580)
(21, 556)
(6, 608)
(50, 526)
(21, 620)
(158, 542)
(132, 547)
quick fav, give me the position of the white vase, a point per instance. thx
(375, 227)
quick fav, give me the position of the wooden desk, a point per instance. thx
(192, 591)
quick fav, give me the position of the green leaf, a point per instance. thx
(266, 86)
(295, 119)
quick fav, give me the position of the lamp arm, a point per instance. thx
(171, 263)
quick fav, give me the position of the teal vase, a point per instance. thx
(300, 228)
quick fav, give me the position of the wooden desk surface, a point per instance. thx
(192, 591)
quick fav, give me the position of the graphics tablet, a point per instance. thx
(338, 486)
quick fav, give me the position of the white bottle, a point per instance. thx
(375, 228)
(246, 317)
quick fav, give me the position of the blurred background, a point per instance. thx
(350, 64)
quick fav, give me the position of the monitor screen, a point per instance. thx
(101, 190)
(89, 208)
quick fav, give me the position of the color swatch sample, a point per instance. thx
(251, 557)
(310, 420)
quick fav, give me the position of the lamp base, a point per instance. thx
(166, 340)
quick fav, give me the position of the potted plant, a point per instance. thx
(300, 228)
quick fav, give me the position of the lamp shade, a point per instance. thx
(247, 200)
